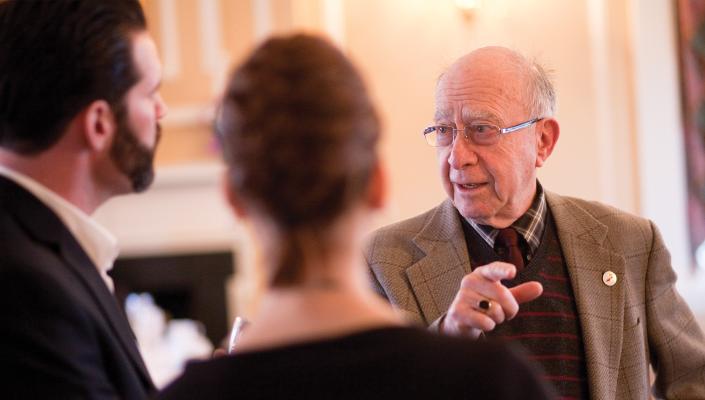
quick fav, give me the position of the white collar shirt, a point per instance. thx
(99, 244)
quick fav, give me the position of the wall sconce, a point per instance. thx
(468, 7)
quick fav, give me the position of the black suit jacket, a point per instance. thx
(62, 333)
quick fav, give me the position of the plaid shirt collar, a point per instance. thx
(530, 225)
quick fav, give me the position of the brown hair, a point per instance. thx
(299, 134)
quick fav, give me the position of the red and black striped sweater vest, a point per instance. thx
(548, 328)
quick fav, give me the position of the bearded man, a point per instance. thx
(79, 111)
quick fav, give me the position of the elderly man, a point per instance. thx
(79, 105)
(587, 289)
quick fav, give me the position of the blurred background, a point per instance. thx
(627, 73)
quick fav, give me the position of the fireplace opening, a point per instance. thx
(189, 286)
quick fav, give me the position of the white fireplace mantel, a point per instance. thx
(183, 211)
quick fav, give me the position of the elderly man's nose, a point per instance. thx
(462, 152)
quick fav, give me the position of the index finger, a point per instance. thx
(497, 271)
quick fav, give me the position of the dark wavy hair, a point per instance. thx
(58, 56)
(299, 136)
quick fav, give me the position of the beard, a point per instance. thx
(133, 158)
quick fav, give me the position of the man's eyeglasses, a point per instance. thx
(481, 133)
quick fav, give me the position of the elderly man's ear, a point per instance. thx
(546, 137)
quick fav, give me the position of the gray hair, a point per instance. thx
(541, 93)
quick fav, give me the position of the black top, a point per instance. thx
(394, 363)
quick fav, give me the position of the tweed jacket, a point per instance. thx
(417, 264)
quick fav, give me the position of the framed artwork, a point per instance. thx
(691, 36)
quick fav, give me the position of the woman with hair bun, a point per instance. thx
(299, 136)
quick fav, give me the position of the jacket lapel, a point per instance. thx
(600, 307)
(46, 227)
(435, 278)
(106, 302)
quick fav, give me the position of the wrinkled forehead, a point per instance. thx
(482, 88)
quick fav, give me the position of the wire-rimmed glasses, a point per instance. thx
(480, 133)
